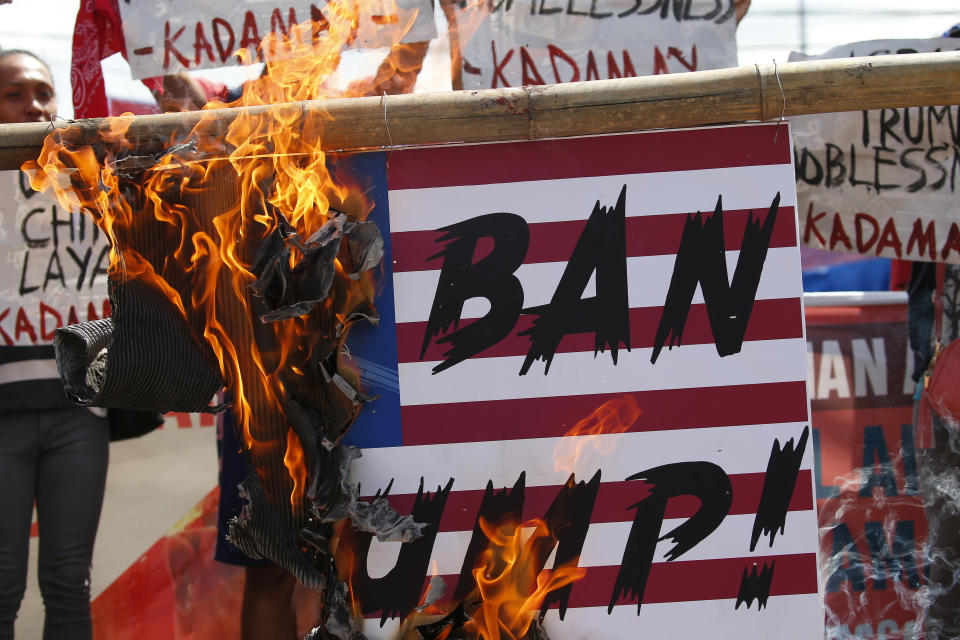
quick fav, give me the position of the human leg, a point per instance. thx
(70, 482)
(18, 459)
(267, 610)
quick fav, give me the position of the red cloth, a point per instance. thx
(97, 34)
(900, 274)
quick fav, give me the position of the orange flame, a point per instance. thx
(293, 460)
(219, 201)
(599, 432)
(270, 160)
(511, 592)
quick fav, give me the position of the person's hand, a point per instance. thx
(396, 74)
(741, 7)
(180, 93)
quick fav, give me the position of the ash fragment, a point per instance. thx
(454, 621)
(131, 166)
(342, 500)
(260, 534)
(189, 145)
(366, 246)
(356, 397)
(339, 624)
(293, 292)
(435, 591)
(367, 312)
(536, 632)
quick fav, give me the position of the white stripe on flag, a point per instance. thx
(580, 373)
(606, 541)
(648, 279)
(796, 617)
(739, 449)
(573, 199)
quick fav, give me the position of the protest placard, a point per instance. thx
(55, 273)
(538, 289)
(545, 42)
(881, 182)
(167, 36)
(561, 347)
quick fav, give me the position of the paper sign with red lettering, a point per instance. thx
(168, 36)
(881, 182)
(529, 42)
(54, 268)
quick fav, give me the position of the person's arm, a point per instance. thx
(741, 7)
(453, 33)
(180, 92)
(396, 74)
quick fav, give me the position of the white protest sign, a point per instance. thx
(533, 293)
(168, 36)
(881, 182)
(548, 41)
(55, 265)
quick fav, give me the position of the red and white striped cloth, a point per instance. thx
(480, 420)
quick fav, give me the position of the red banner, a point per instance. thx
(873, 528)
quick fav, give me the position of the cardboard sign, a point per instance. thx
(882, 182)
(872, 521)
(54, 273)
(549, 41)
(167, 36)
(538, 289)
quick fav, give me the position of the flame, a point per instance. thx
(511, 592)
(293, 460)
(599, 431)
(270, 161)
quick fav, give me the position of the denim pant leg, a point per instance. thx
(19, 449)
(71, 475)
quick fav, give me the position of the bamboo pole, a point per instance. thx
(759, 92)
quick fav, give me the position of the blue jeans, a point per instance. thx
(58, 458)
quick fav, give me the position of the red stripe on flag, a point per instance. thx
(657, 151)
(613, 501)
(553, 417)
(770, 320)
(554, 241)
(686, 581)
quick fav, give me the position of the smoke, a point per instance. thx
(885, 575)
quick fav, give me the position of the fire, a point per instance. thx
(511, 589)
(226, 196)
(216, 200)
(293, 460)
(599, 431)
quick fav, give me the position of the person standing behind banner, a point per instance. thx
(51, 451)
